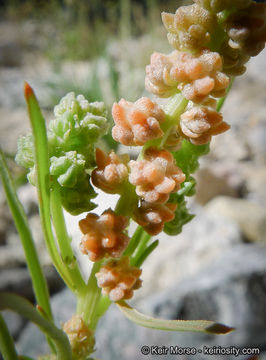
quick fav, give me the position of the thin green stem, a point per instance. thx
(7, 345)
(38, 280)
(89, 298)
(221, 101)
(64, 239)
(127, 201)
(140, 260)
(134, 241)
(24, 308)
(141, 248)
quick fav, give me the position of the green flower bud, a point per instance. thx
(77, 124)
(68, 168)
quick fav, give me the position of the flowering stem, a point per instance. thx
(7, 346)
(127, 201)
(88, 299)
(222, 100)
(64, 239)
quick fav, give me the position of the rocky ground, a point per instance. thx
(214, 270)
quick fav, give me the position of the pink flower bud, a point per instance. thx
(118, 279)
(136, 123)
(200, 123)
(111, 172)
(156, 176)
(103, 235)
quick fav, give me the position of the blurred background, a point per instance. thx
(216, 268)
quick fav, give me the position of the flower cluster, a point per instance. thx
(81, 338)
(136, 123)
(118, 279)
(196, 75)
(103, 235)
(77, 125)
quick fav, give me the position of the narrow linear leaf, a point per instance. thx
(7, 347)
(172, 325)
(26, 309)
(43, 179)
(38, 280)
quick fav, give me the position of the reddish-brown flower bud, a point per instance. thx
(136, 123)
(197, 76)
(118, 279)
(81, 338)
(156, 176)
(153, 216)
(103, 235)
(200, 123)
(111, 172)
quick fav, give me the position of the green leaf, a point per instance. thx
(26, 309)
(21, 222)
(43, 180)
(7, 347)
(172, 325)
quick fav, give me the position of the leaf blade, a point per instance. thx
(172, 325)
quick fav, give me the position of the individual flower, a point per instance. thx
(200, 123)
(81, 338)
(196, 75)
(156, 176)
(190, 27)
(136, 123)
(152, 217)
(103, 235)
(111, 172)
(118, 279)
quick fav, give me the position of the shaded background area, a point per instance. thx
(216, 268)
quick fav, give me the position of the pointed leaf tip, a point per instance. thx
(28, 91)
(217, 328)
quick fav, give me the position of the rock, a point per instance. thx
(210, 185)
(229, 290)
(178, 257)
(250, 217)
(18, 280)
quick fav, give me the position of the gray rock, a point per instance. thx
(232, 290)
(250, 217)
(210, 185)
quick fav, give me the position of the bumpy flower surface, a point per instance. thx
(152, 217)
(103, 235)
(197, 76)
(156, 176)
(77, 123)
(220, 5)
(190, 27)
(81, 338)
(200, 123)
(111, 172)
(136, 123)
(118, 279)
(247, 29)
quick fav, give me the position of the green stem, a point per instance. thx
(24, 308)
(89, 298)
(127, 201)
(7, 345)
(140, 260)
(134, 241)
(64, 239)
(221, 101)
(141, 248)
(38, 280)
